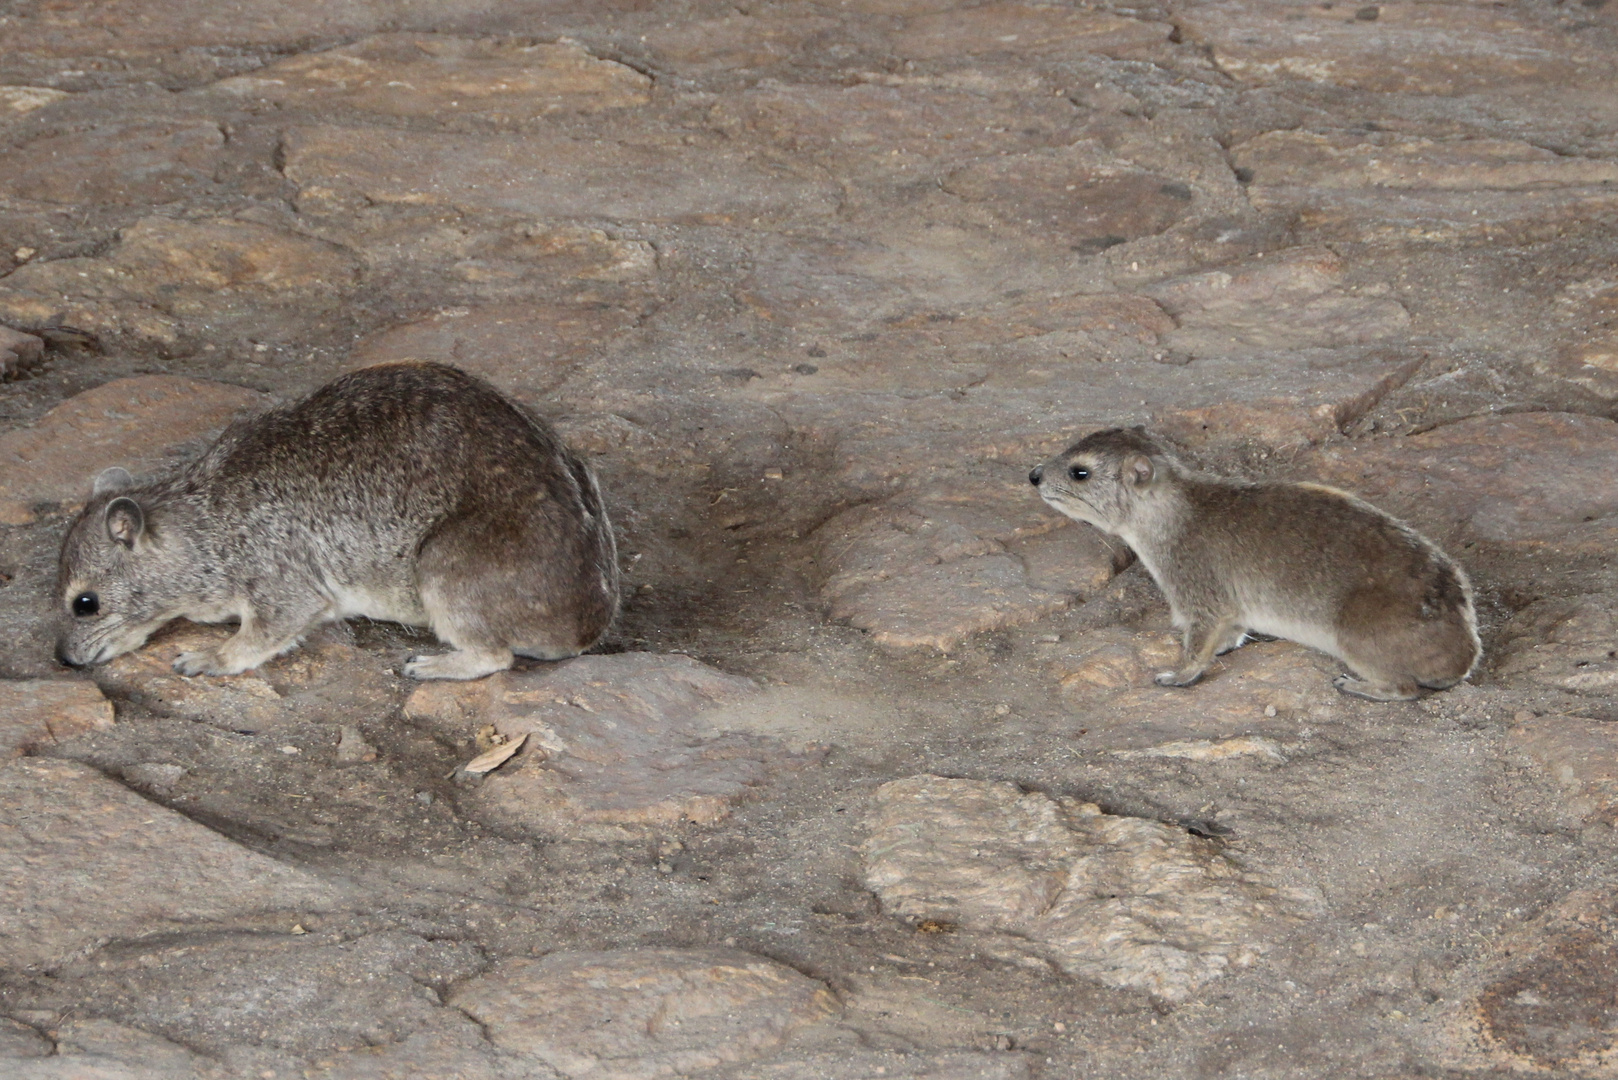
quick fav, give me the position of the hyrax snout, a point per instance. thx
(412, 493)
(1303, 562)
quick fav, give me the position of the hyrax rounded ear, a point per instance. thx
(113, 479)
(125, 521)
(1138, 470)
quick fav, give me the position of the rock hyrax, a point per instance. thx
(410, 492)
(1299, 561)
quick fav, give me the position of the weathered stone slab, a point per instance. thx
(1291, 299)
(616, 745)
(180, 264)
(543, 173)
(641, 1013)
(1532, 480)
(1134, 904)
(1113, 658)
(1400, 48)
(1367, 185)
(524, 348)
(165, 269)
(1263, 688)
(84, 860)
(444, 76)
(24, 99)
(1579, 755)
(116, 163)
(36, 713)
(1024, 29)
(1547, 1000)
(300, 993)
(1339, 159)
(21, 1041)
(1042, 392)
(438, 1053)
(1569, 644)
(734, 41)
(890, 1065)
(18, 352)
(1589, 357)
(133, 28)
(888, 130)
(86, 296)
(1086, 200)
(137, 423)
(930, 570)
(324, 679)
(1255, 746)
(90, 1048)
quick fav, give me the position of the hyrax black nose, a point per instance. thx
(62, 657)
(1034, 475)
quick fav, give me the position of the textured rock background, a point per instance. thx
(815, 284)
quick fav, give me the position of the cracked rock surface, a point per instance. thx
(870, 777)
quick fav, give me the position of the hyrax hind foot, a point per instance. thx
(1183, 677)
(1373, 691)
(459, 664)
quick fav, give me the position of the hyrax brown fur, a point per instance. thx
(412, 493)
(1303, 562)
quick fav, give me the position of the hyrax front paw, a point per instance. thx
(1176, 678)
(203, 662)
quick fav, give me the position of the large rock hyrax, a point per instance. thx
(412, 493)
(1299, 561)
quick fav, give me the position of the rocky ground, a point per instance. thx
(870, 779)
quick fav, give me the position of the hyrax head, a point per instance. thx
(104, 576)
(1101, 478)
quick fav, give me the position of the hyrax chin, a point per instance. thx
(1299, 561)
(413, 493)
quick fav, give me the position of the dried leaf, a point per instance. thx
(496, 756)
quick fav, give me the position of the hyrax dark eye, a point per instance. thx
(1078, 472)
(86, 604)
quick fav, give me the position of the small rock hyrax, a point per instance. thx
(410, 492)
(1303, 562)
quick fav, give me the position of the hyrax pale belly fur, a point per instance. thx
(1298, 561)
(411, 492)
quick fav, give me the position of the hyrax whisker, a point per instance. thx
(1303, 562)
(412, 493)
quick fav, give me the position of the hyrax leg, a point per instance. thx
(1233, 640)
(1393, 662)
(467, 574)
(1386, 690)
(475, 651)
(262, 636)
(1201, 641)
(460, 663)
